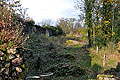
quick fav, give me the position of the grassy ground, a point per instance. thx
(91, 61)
(82, 58)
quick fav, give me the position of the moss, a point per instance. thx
(68, 42)
(4, 49)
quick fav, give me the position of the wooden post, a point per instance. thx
(104, 60)
(97, 49)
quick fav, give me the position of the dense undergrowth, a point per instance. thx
(42, 51)
(68, 62)
(48, 54)
(51, 54)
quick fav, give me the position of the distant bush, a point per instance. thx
(29, 22)
(77, 34)
(57, 31)
(54, 30)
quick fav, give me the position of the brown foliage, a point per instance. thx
(10, 27)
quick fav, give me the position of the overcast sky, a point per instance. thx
(50, 9)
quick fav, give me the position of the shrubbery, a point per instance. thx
(46, 54)
(54, 30)
(42, 51)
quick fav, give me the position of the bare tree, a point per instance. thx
(46, 22)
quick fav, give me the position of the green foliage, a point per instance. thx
(101, 19)
(98, 41)
(10, 44)
(30, 22)
(69, 56)
(112, 47)
(42, 52)
(54, 30)
(4, 49)
(84, 77)
(96, 67)
(63, 69)
(116, 28)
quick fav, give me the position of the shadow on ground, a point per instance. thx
(114, 71)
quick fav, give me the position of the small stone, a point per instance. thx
(13, 51)
(14, 74)
(2, 58)
(113, 79)
(109, 78)
(100, 78)
(18, 69)
(1, 70)
(6, 71)
(11, 56)
(17, 55)
(1, 53)
(106, 78)
(7, 64)
(17, 60)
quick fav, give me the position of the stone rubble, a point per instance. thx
(10, 64)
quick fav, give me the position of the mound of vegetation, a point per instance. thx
(47, 54)
(42, 51)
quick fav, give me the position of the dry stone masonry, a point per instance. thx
(11, 64)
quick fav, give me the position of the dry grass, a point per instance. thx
(112, 56)
(73, 42)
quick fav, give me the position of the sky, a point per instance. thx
(50, 9)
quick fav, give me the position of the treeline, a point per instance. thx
(31, 28)
(63, 26)
(102, 19)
